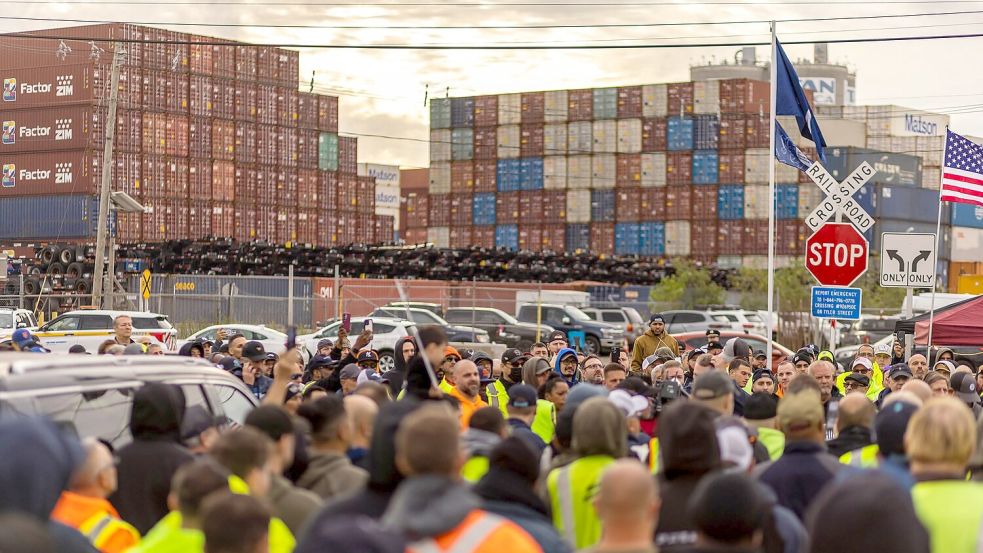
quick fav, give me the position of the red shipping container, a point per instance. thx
(703, 240)
(602, 238)
(440, 210)
(246, 100)
(533, 108)
(679, 168)
(131, 86)
(75, 45)
(531, 139)
(154, 133)
(680, 99)
(127, 173)
(347, 193)
(201, 56)
(176, 178)
(531, 237)
(266, 104)
(176, 93)
(485, 143)
(307, 148)
(704, 203)
(42, 129)
(554, 238)
(128, 227)
(384, 229)
(223, 59)
(365, 190)
(200, 179)
(679, 202)
(307, 110)
(328, 191)
(52, 86)
(200, 137)
(733, 131)
(744, 96)
(755, 238)
(223, 139)
(461, 209)
(176, 134)
(165, 219)
(460, 237)
(201, 93)
(153, 177)
(654, 134)
(506, 208)
(267, 139)
(554, 207)
(288, 104)
(223, 98)
(730, 237)
(178, 51)
(244, 185)
(629, 102)
(64, 172)
(530, 202)
(415, 236)
(267, 69)
(288, 63)
(286, 188)
(731, 166)
(307, 188)
(223, 219)
(757, 132)
(628, 170)
(628, 205)
(416, 212)
(265, 186)
(306, 225)
(286, 226)
(580, 105)
(485, 174)
(129, 130)
(462, 176)
(483, 236)
(485, 113)
(653, 202)
(327, 114)
(347, 154)
(790, 237)
(287, 150)
(246, 60)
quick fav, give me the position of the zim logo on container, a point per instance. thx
(63, 85)
(9, 175)
(9, 132)
(10, 90)
(63, 173)
(63, 129)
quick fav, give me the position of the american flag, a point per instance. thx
(962, 173)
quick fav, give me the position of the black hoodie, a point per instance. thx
(147, 465)
(398, 374)
(185, 350)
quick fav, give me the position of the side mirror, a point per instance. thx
(565, 320)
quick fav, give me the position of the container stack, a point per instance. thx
(213, 138)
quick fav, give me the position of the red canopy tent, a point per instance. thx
(957, 325)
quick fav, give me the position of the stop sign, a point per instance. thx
(836, 254)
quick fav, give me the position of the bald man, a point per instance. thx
(627, 504)
(466, 390)
(84, 506)
(919, 388)
(362, 412)
(918, 365)
(854, 425)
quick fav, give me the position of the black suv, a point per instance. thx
(502, 327)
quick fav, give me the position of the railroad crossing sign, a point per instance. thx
(839, 196)
(836, 254)
(908, 260)
(145, 280)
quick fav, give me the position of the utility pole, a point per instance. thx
(107, 175)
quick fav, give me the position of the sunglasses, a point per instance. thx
(452, 359)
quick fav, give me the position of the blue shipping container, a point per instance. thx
(507, 236)
(507, 176)
(605, 103)
(578, 237)
(602, 206)
(484, 209)
(705, 167)
(652, 238)
(531, 173)
(787, 201)
(626, 239)
(908, 204)
(706, 132)
(462, 112)
(730, 203)
(966, 215)
(679, 133)
(906, 226)
(53, 217)
(890, 168)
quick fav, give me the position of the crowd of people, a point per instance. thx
(553, 450)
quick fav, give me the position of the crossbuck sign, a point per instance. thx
(839, 197)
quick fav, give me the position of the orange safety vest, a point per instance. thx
(479, 532)
(97, 520)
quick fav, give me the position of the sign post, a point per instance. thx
(908, 261)
(145, 282)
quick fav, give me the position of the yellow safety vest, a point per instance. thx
(475, 467)
(865, 457)
(544, 425)
(498, 396)
(100, 527)
(572, 489)
(654, 456)
(952, 512)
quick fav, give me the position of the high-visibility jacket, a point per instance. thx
(865, 457)
(876, 383)
(445, 386)
(479, 532)
(952, 512)
(544, 425)
(773, 440)
(97, 520)
(475, 467)
(498, 396)
(572, 489)
(654, 459)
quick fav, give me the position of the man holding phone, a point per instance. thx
(254, 369)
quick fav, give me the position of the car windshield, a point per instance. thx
(877, 325)
(577, 314)
(753, 318)
(6, 320)
(633, 315)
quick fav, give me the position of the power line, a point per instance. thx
(492, 5)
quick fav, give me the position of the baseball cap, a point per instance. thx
(664, 353)
(861, 379)
(349, 372)
(735, 448)
(800, 357)
(77, 348)
(760, 406)
(272, 356)
(735, 348)
(890, 425)
(628, 404)
(900, 369)
(800, 411)
(657, 318)
(964, 386)
(557, 335)
(712, 385)
(369, 375)
(762, 373)
(451, 351)
(695, 352)
(862, 361)
(320, 361)
(714, 346)
(713, 332)
(522, 395)
(882, 349)
(760, 354)
(481, 356)
(254, 351)
(368, 355)
(825, 356)
(511, 355)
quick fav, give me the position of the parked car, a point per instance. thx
(693, 340)
(626, 318)
(434, 308)
(598, 337)
(92, 396)
(273, 340)
(12, 319)
(385, 333)
(455, 333)
(748, 321)
(502, 328)
(92, 327)
(696, 321)
(869, 329)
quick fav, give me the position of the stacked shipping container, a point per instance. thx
(213, 139)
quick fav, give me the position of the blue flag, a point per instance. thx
(791, 100)
(786, 151)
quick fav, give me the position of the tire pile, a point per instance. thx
(65, 269)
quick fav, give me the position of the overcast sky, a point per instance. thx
(382, 91)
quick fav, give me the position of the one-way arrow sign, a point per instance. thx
(908, 260)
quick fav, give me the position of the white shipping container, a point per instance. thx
(508, 141)
(756, 165)
(604, 171)
(606, 136)
(706, 97)
(555, 172)
(785, 174)
(509, 109)
(579, 170)
(629, 136)
(440, 145)
(555, 139)
(655, 100)
(677, 237)
(729, 261)
(857, 113)
(930, 149)
(440, 178)
(556, 106)
(654, 169)
(904, 145)
(966, 244)
(810, 196)
(837, 132)
(578, 206)
(440, 237)
(756, 201)
(879, 143)
(761, 261)
(931, 177)
(580, 137)
(879, 120)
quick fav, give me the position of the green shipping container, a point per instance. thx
(440, 113)
(605, 103)
(327, 151)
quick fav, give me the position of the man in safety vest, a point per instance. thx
(498, 391)
(428, 453)
(854, 426)
(84, 505)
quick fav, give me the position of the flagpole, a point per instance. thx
(938, 232)
(771, 192)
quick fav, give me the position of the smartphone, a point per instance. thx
(291, 337)
(367, 325)
(346, 321)
(616, 354)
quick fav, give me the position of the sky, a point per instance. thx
(382, 92)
